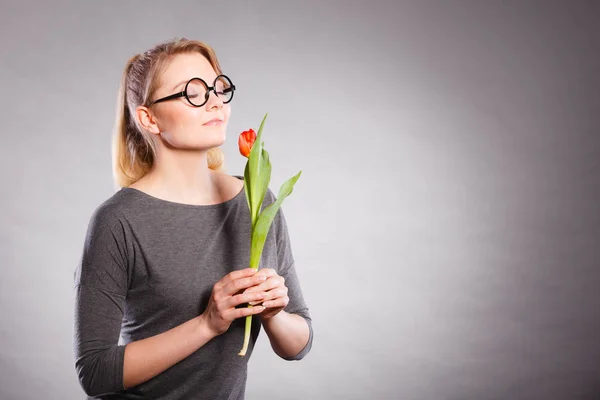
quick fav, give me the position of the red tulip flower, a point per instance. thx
(245, 142)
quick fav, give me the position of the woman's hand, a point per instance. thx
(228, 293)
(276, 298)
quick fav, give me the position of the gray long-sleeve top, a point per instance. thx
(149, 265)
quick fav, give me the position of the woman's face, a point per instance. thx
(182, 125)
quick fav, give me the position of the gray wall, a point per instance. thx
(446, 225)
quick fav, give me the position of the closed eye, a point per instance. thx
(225, 90)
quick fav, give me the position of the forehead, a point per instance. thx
(183, 67)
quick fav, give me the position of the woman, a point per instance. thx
(162, 285)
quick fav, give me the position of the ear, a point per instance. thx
(147, 120)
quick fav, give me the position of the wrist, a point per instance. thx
(203, 329)
(269, 320)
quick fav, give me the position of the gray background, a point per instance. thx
(446, 224)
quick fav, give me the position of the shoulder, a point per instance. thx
(228, 186)
(112, 210)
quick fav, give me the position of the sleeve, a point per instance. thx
(287, 269)
(101, 282)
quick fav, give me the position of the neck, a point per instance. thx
(183, 177)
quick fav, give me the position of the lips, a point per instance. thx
(214, 121)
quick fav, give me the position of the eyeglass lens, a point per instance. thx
(197, 91)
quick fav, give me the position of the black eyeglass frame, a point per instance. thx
(206, 96)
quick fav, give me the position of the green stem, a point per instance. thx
(246, 334)
(254, 263)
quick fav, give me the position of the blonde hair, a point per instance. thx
(133, 149)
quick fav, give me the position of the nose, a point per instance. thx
(213, 101)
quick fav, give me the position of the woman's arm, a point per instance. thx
(144, 359)
(105, 367)
(288, 334)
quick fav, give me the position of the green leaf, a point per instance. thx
(263, 224)
(259, 173)
(263, 185)
(288, 186)
(247, 186)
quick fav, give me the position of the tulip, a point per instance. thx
(257, 175)
(245, 142)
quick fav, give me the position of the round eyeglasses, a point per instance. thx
(197, 91)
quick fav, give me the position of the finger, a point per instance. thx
(273, 294)
(242, 283)
(268, 272)
(233, 276)
(245, 311)
(271, 283)
(280, 302)
(251, 298)
(276, 293)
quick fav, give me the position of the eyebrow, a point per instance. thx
(179, 84)
(186, 81)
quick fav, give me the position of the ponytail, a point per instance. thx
(132, 152)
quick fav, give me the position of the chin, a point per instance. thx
(215, 138)
(201, 139)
